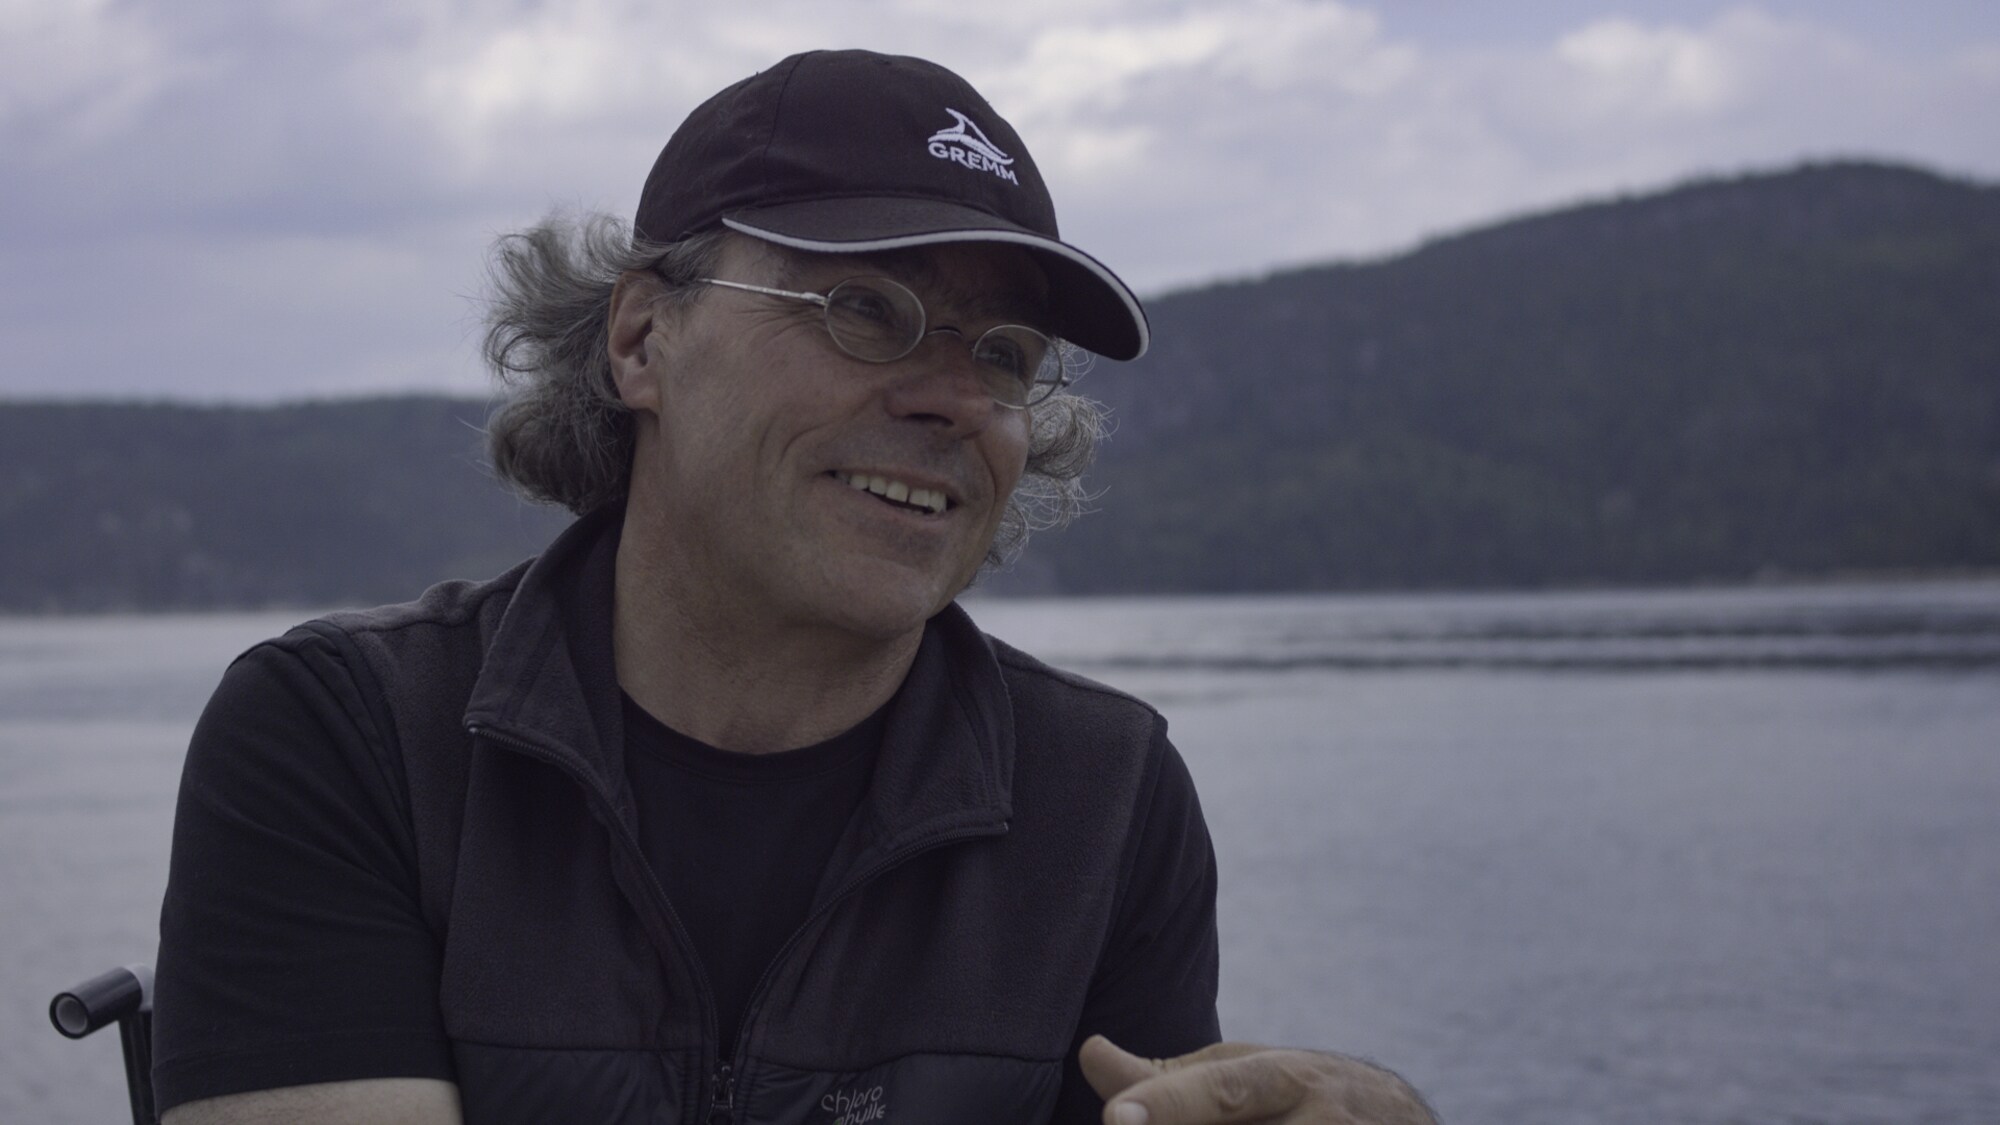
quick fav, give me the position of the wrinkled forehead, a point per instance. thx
(986, 280)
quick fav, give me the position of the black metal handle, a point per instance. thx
(103, 999)
(124, 997)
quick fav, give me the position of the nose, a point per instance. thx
(940, 381)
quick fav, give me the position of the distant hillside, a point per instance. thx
(1791, 373)
(118, 506)
(1795, 373)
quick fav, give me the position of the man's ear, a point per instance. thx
(637, 311)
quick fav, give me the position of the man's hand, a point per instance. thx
(1245, 1082)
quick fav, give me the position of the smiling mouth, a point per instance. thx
(895, 493)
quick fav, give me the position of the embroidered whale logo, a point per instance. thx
(965, 144)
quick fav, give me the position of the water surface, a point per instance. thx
(1708, 856)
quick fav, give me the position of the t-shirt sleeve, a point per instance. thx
(1155, 987)
(293, 948)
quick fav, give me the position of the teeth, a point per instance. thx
(930, 499)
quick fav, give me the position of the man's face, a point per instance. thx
(763, 425)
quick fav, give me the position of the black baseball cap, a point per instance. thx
(852, 151)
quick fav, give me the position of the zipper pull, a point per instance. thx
(725, 1096)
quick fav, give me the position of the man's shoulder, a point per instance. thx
(1020, 665)
(458, 606)
(1042, 689)
(449, 624)
(448, 605)
(1084, 751)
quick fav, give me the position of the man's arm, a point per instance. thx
(366, 1101)
(293, 952)
(1156, 979)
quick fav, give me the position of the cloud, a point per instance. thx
(272, 197)
(1626, 66)
(1371, 142)
(73, 72)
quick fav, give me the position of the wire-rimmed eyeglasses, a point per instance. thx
(878, 320)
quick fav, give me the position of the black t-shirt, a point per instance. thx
(739, 841)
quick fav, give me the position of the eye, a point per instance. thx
(862, 301)
(1013, 351)
(875, 317)
(1003, 354)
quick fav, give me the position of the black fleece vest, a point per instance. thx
(942, 971)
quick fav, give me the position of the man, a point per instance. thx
(721, 810)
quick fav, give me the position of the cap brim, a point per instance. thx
(1093, 308)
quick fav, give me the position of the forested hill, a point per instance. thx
(117, 506)
(1795, 374)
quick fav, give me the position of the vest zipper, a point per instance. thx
(722, 1091)
(846, 890)
(725, 1096)
(722, 1079)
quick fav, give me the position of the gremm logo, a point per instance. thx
(966, 144)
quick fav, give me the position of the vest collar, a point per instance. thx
(549, 679)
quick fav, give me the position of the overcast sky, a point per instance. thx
(274, 199)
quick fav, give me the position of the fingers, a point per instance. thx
(1110, 1068)
(1243, 1083)
(1219, 1083)
(1228, 1086)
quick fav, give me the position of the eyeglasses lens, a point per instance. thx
(880, 321)
(874, 320)
(1019, 363)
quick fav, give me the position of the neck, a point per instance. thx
(734, 677)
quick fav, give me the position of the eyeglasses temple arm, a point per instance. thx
(815, 298)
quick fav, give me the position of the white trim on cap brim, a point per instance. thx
(1019, 238)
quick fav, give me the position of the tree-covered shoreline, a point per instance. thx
(1792, 375)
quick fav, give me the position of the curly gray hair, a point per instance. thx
(561, 435)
